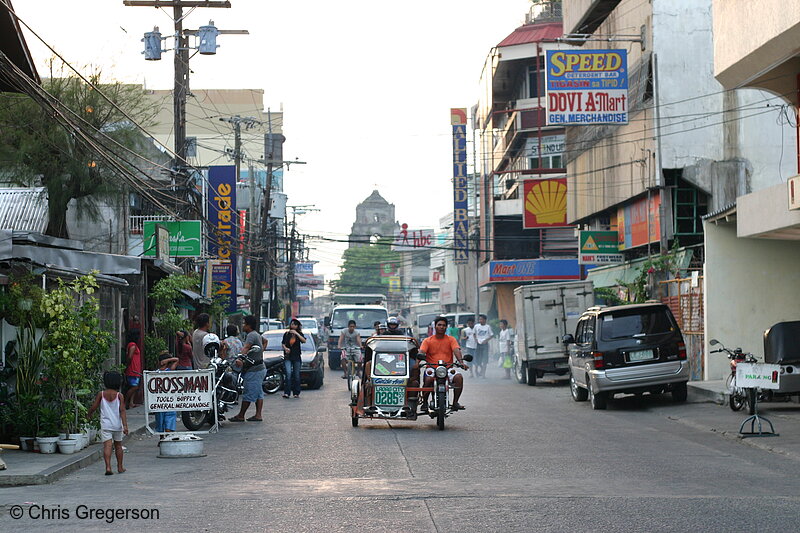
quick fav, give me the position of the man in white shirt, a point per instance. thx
(483, 333)
(505, 347)
(468, 341)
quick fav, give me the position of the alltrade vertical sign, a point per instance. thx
(587, 86)
(222, 241)
(458, 119)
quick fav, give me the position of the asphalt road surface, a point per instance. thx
(518, 458)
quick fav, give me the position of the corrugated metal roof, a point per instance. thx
(23, 208)
(532, 33)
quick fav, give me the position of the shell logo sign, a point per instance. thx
(545, 203)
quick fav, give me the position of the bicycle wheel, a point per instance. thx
(349, 374)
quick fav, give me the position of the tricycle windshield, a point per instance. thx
(390, 364)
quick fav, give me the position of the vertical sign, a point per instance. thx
(587, 86)
(222, 242)
(458, 119)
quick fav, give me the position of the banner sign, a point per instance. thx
(389, 269)
(179, 390)
(639, 223)
(587, 86)
(532, 270)
(306, 268)
(406, 240)
(551, 145)
(394, 284)
(184, 237)
(758, 375)
(310, 282)
(598, 248)
(458, 120)
(222, 241)
(545, 203)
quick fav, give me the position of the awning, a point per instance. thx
(613, 275)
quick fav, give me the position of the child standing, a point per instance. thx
(113, 420)
(166, 422)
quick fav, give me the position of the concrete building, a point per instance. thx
(691, 146)
(520, 156)
(751, 240)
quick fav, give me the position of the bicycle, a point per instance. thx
(353, 365)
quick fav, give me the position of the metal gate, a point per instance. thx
(684, 296)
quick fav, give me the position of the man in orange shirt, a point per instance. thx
(442, 347)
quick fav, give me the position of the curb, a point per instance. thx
(700, 393)
(71, 464)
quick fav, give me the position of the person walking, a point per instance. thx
(113, 418)
(184, 350)
(291, 344)
(483, 333)
(469, 343)
(202, 324)
(253, 371)
(506, 347)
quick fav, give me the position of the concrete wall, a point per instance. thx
(751, 284)
(754, 38)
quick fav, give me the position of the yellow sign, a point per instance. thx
(394, 284)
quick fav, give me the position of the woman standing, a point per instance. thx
(291, 342)
(133, 374)
(184, 350)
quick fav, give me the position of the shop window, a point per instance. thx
(548, 161)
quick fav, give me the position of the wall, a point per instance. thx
(751, 38)
(751, 284)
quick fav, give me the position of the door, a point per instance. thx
(581, 352)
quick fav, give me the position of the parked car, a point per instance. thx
(310, 326)
(312, 369)
(626, 349)
(271, 324)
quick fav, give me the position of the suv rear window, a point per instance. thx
(636, 322)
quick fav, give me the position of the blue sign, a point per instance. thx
(525, 270)
(458, 119)
(222, 241)
(587, 86)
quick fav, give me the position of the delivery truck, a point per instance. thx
(545, 313)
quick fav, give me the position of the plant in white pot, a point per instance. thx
(47, 436)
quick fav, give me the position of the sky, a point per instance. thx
(366, 87)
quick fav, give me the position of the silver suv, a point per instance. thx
(626, 349)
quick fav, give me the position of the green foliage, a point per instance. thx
(608, 296)
(36, 148)
(20, 302)
(153, 345)
(75, 347)
(166, 292)
(638, 288)
(361, 268)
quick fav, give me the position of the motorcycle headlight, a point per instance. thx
(441, 372)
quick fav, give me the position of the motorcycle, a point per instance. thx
(228, 387)
(276, 375)
(739, 396)
(440, 406)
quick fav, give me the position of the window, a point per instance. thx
(548, 161)
(636, 323)
(535, 83)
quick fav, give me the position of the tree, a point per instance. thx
(361, 268)
(36, 148)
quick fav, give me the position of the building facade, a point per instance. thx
(374, 216)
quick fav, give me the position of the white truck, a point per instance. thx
(545, 313)
(364, 315)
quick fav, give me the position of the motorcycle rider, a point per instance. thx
(442, 347)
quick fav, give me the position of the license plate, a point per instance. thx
(392, 396)
(641, 355)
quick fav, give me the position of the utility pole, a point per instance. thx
(207, 46)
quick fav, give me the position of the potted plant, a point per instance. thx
(24, 420)
(48, 429)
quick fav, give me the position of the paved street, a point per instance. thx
(518, 459)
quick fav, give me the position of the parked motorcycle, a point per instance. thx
(739, 396)
(276, 375)
(228, 386)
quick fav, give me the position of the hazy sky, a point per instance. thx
(366, 86)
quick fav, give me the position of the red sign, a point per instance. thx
(639, 223)
(545, 203)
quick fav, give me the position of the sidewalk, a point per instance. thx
(26, 468)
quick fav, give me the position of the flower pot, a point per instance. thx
(26, 444)
(92, 435)
(47, 444)
(62, 436)
(67, 446)
(78, 438)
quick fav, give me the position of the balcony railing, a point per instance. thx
(136, 222)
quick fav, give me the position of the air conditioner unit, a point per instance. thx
(794, 193)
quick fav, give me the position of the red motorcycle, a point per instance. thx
(739, 396)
